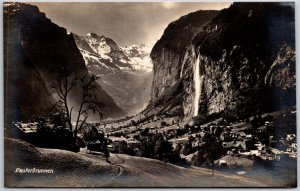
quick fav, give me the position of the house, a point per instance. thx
(226, 136)
(241, 134)
(27, 131)
(222, 163)
(27, 128)
(118, 139)
(258, 144)
(255, 152)
(292, 148)
(197, 143)
(46, 134)
(291, 137)
(267, 156)
(133, 143)
(241, 144)
(228, 145)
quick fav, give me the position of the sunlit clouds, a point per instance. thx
(169, 5)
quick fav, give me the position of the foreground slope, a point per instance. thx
(90, 170)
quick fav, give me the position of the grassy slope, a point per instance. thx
(90, 170)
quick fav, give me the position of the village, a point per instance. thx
(258, 138)
(250, 138)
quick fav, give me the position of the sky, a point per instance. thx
(126, 23)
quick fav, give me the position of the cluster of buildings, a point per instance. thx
(241, 138)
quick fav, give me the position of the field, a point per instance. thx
(91, 170)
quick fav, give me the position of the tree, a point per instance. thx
(133, 123)
(145, 132)
(162, 149)
(198, 158)
(92, 134)
(187, 148)
(163, 123)
(76, 115)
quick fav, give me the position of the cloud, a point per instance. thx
(169, 5)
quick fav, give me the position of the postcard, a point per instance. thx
(150, 95)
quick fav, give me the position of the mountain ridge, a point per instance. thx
(35, 48)
(122, 70)
(234, 50)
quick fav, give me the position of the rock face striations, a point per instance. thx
(34, 48)
(231, 63)
(126, 72)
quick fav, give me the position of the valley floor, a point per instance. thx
(90, 170)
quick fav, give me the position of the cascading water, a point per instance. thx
(197, 84)
(183, 63)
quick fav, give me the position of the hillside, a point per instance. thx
(231, 63)
(35, 50)
(90, 170)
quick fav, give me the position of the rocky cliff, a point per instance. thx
(231, 63)
(126, 72)
(34, 48)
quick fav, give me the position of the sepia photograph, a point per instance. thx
(149, 95)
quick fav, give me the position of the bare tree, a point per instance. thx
(76, 115)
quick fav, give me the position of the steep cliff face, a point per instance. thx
(126, 72)
(34, 48)
(239, 62)
(168, 53)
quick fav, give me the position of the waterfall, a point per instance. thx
(183, 63)
(197, 85)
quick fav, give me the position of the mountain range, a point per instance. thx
(125, 72)
(232, 63)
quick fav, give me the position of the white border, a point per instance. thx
(297, 10)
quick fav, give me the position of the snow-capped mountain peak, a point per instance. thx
(139, 56)
(126, 72)
(102, 55)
